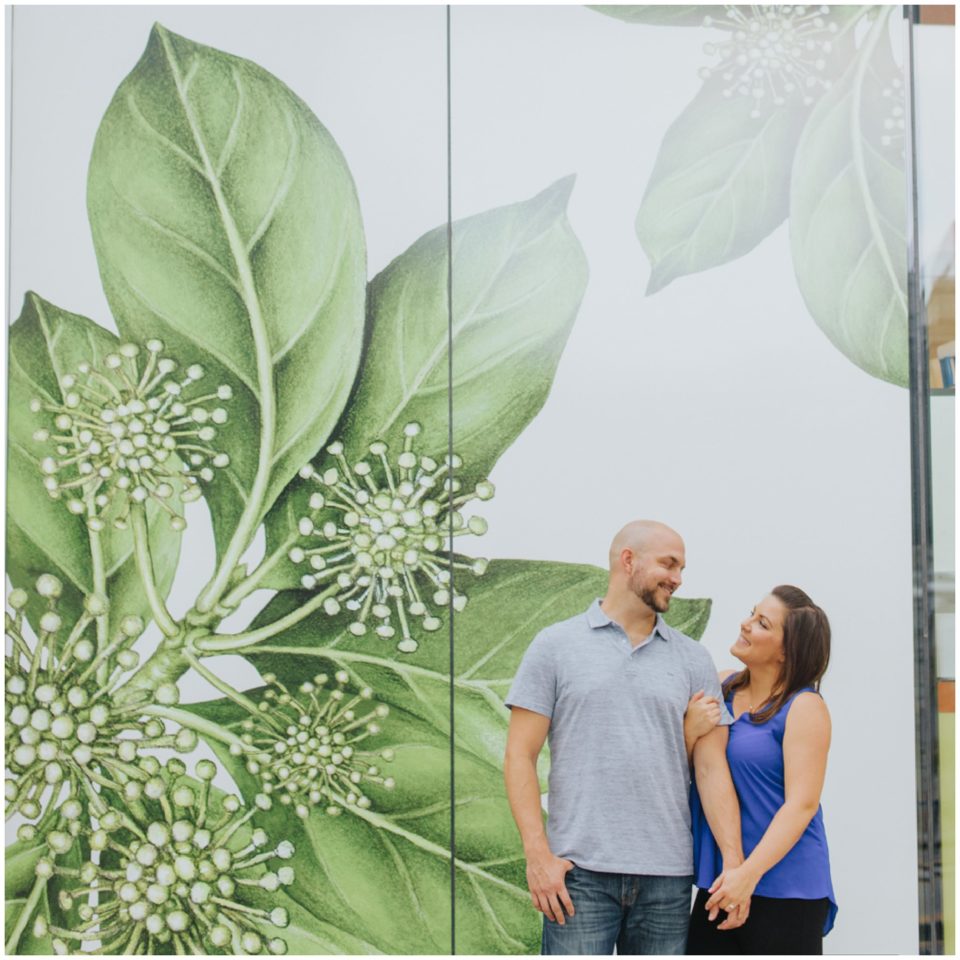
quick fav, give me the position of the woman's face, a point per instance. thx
(760, 642)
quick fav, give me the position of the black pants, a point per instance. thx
(775, 926)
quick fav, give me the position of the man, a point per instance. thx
(610, 686)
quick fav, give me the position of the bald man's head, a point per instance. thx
(647, 559)
(638, 536)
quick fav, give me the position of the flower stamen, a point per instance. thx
(377, 529)
(120, 435)
(773, 53)
(310, 745)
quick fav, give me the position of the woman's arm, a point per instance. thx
(806, 741)
(703, 714)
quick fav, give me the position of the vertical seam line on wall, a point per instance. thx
(450, 511)
(929, 850)
(8, 226)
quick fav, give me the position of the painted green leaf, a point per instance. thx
(666, 15)
(519, 274)
(677, 15)
(306, 934)
(515, 599)
(19, 862)
(720, 184)
(226, 223)
(384, 874)
(848, 214)
(47, 343)
(19, 933)
(721, 180)
(20, 859)
(505, 609)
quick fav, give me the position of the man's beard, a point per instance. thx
(649, 597)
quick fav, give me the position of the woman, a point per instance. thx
(777, 752)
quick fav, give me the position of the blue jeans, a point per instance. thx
(638, 914)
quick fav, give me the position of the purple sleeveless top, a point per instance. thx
(755, 756)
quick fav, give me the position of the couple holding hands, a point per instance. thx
(634, 711)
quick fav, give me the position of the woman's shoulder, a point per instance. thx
(809, 710)
(809, 699)
(725, 675)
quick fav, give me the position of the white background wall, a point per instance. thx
(716, 405)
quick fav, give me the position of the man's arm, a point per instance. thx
(545, 872)
(703, 714)
(721, 808)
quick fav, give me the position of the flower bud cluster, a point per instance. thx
(172, 872)
(773, 53)
(308, 748)
(65, 734)
(130, 431)
(376, 534)
(893, 121)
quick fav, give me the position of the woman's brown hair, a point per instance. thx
(806, 651)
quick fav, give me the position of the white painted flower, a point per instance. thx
(893, 120)
(130, 431)
(379, 532)
(313, 745)
(173, 873)
(772, 53)
(65, 736)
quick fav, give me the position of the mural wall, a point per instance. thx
(253, 704)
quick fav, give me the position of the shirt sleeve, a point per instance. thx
(535, 685)
(705, 678)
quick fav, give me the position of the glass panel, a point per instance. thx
(935, 163)
(251, 169)
(736, 367)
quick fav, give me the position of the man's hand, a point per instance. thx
(548, 891)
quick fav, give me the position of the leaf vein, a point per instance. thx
(493, 919)
(283, 187)
(179, 240)
(153, 132)
(231, 141)
(221, 358)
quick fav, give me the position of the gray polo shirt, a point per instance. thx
(619, 781)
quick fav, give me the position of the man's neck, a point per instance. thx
(636, 618)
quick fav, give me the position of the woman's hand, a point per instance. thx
(731, 891)
(703, 714)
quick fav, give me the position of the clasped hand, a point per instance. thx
(731, 892)
(702, 715)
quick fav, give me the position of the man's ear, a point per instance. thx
(627, 559)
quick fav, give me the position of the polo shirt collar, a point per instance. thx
(596, 618)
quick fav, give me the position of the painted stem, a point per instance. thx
(225, 688)
(141, 548)
(186, 719)
(240, 641)
(252, 581)
(39, 885)
(164, 665)
(350, 656)
(99, 585)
